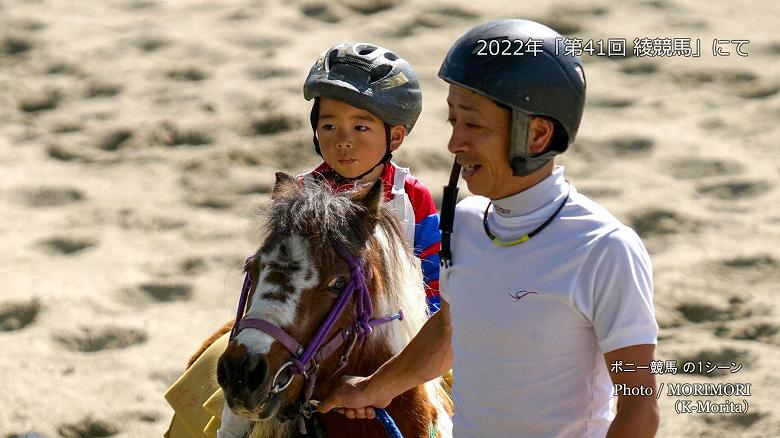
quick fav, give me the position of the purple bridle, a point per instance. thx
(318, 349)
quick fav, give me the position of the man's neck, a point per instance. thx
(523, 183)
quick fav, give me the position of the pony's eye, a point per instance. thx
(337, 284)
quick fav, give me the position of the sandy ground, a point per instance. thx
(138, 138)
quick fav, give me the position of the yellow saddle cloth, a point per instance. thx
(196, 398)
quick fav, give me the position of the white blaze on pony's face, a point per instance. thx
(286, 271)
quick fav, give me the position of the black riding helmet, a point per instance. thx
(495, 60)
(368, 77)
(531, 79)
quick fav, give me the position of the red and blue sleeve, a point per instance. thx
(427, 238)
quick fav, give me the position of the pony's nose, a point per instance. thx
(242, 373)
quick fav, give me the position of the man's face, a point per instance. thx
(352, 140)
(480, 140)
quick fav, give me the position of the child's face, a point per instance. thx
(352, 140)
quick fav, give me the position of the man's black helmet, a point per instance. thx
(368, 77)
(536, 78)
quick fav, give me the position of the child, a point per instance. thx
(366, 100)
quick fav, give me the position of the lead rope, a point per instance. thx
(388, 423)
(449, 199)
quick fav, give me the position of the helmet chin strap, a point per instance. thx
(519, 159)
(339, 178)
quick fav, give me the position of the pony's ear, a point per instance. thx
(282, 180)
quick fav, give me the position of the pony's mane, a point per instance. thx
(313, 209)
(403, 288)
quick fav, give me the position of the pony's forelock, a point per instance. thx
(314, 209)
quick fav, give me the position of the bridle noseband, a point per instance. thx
(306, 360)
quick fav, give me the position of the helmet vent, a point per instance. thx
(365, 50)
(331, 59)
(391, 56)
(380, 72)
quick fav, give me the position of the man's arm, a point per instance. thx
(637, 416)
(427, 356)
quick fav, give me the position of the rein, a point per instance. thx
(306, 360)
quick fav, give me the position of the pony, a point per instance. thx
(317, 248)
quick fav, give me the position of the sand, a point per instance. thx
(138, 139)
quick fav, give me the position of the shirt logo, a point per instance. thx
(519, 295)
(502, 210)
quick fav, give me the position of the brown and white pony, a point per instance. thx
(297, 275)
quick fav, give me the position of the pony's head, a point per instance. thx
(297, 275)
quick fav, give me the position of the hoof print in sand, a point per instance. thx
(267, 72)
(17, 315)
(170, 135)
(90, 340)
(66, 126)
(610, 102)
(113, 140)
(257, 188)
(186, 74)
(440, 17)
(754, 269)
(323, 11)
(702, 312)
(13, 45)
(210, 201)
(733, 190)
(657, 222)
(102, 89)
(761, 261)
(639, 68)
(631, 146)
(757, 91)
(193, 265)
(62, 68)
(67, 245)
(87, 427)
(766, 332)
(39, 101)
(369, 6)
(139, 5)
(144, 416)
(688, 168)
(165, 292)
(273, 124)
(726, 77)
(66, 153)
(50, 196)
(151, 43)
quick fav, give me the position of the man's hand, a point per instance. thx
(355, 397)
(428, 355)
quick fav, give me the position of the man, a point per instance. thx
(546, 289)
